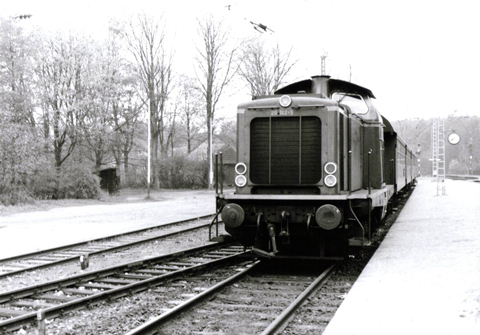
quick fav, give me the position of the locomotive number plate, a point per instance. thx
(282, 112)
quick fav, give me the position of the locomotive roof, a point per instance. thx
(318, 84)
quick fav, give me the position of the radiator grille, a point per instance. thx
(285, 150)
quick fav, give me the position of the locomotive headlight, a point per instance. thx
(330, 180)
(285, 101)
(233, 215)
(328, 217)
(240, 168)
(240, 180)
(330, 168)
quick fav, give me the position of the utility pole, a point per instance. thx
(470, 153)
(149, 153)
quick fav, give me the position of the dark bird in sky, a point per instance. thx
(260, 27)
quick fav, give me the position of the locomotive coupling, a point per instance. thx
(271, 232)
(233, 215)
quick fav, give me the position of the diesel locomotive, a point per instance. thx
(317, 170)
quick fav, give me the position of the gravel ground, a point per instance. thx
(97, 262)
(50, 223)
(110, 318)
(101, 319)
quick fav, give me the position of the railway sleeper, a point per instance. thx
(11, 268)
(146, 271)
(53, 297)
(78, 291)
(116, 281)
(138, 275)
(33, 304)
(99, 286)
(4, 312)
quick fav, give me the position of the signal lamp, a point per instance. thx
(240, 168)
(330, 168)
(330, 180)
(240, 180)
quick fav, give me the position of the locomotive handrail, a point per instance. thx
(221, 173)
(358, 221)
(219, 204)
(368, 172)
(215, 220)
(349, 147)
(216, 174)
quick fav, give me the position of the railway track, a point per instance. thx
(313, 316)
(271, 304)
(20, 307)
(240, 300)
(46, 258)
(248, 303)
(244, 303)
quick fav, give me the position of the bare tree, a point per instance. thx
(126, 110)
(146, 41)
(61, 74)
(264, 68)
(171, 130)
(215, 69)
(191, 110)
(102, 86)
(60, 78)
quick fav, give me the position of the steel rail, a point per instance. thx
(43, 287)
(151, 326)
(282, 320)
(50, 312)
(93, 252)
(73, 245)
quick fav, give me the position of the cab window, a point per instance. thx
(354, 101)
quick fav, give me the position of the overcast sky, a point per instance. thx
(419, 58)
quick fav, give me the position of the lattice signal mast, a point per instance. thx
(438, 159)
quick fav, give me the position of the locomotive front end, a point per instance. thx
(317, 169)
(290, 170)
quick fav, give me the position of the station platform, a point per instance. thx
(425, 276)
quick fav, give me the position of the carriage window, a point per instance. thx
(354, 101)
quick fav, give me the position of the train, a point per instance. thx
(318, 169)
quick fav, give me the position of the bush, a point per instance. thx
(134, 178)
(13, 197)
(179, 172)
(77, 182)
(43, 183)
(74, 182)
(20, 153)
